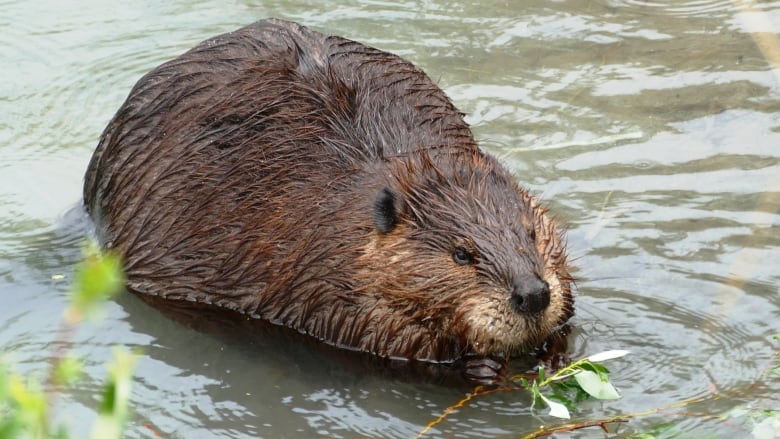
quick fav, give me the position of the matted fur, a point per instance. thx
(244, 174)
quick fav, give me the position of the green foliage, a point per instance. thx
(114, 409)
(583, 379)
(25, 403)
(98, 278)
(68, 370)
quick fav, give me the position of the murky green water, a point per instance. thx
(652, 128)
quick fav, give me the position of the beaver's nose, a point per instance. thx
(530, 295)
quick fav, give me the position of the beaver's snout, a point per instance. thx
(530, 295)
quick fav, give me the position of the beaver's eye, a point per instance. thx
(461, 256)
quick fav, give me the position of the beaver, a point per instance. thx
(332, 188)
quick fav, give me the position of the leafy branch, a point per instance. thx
(580, 380)
(25, 404)
(574, 383)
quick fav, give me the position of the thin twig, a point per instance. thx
(477, 392)
(545, 431)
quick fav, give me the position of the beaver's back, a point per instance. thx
(335, 98)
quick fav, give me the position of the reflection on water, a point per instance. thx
(652, 128)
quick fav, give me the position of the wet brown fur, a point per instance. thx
(244, 174)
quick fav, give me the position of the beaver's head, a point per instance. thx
(465, 261)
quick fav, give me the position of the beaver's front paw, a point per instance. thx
(485, 371)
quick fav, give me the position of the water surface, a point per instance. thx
(651, 128)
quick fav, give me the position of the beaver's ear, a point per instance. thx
(387, 209)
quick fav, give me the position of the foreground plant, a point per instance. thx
(574, 383)
(25, 403)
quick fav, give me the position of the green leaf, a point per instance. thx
(109, 399)
(114, 409)
(96, 279)
(69, 369)
(557, 409)
(595, 367)
(9, 428)
(536, 395)
(592, 383)
(557, 397)
(607, 355)
(29, 405)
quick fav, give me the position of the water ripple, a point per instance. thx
(662, 335)
(683, 8)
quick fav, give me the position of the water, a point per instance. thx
(651, 128)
